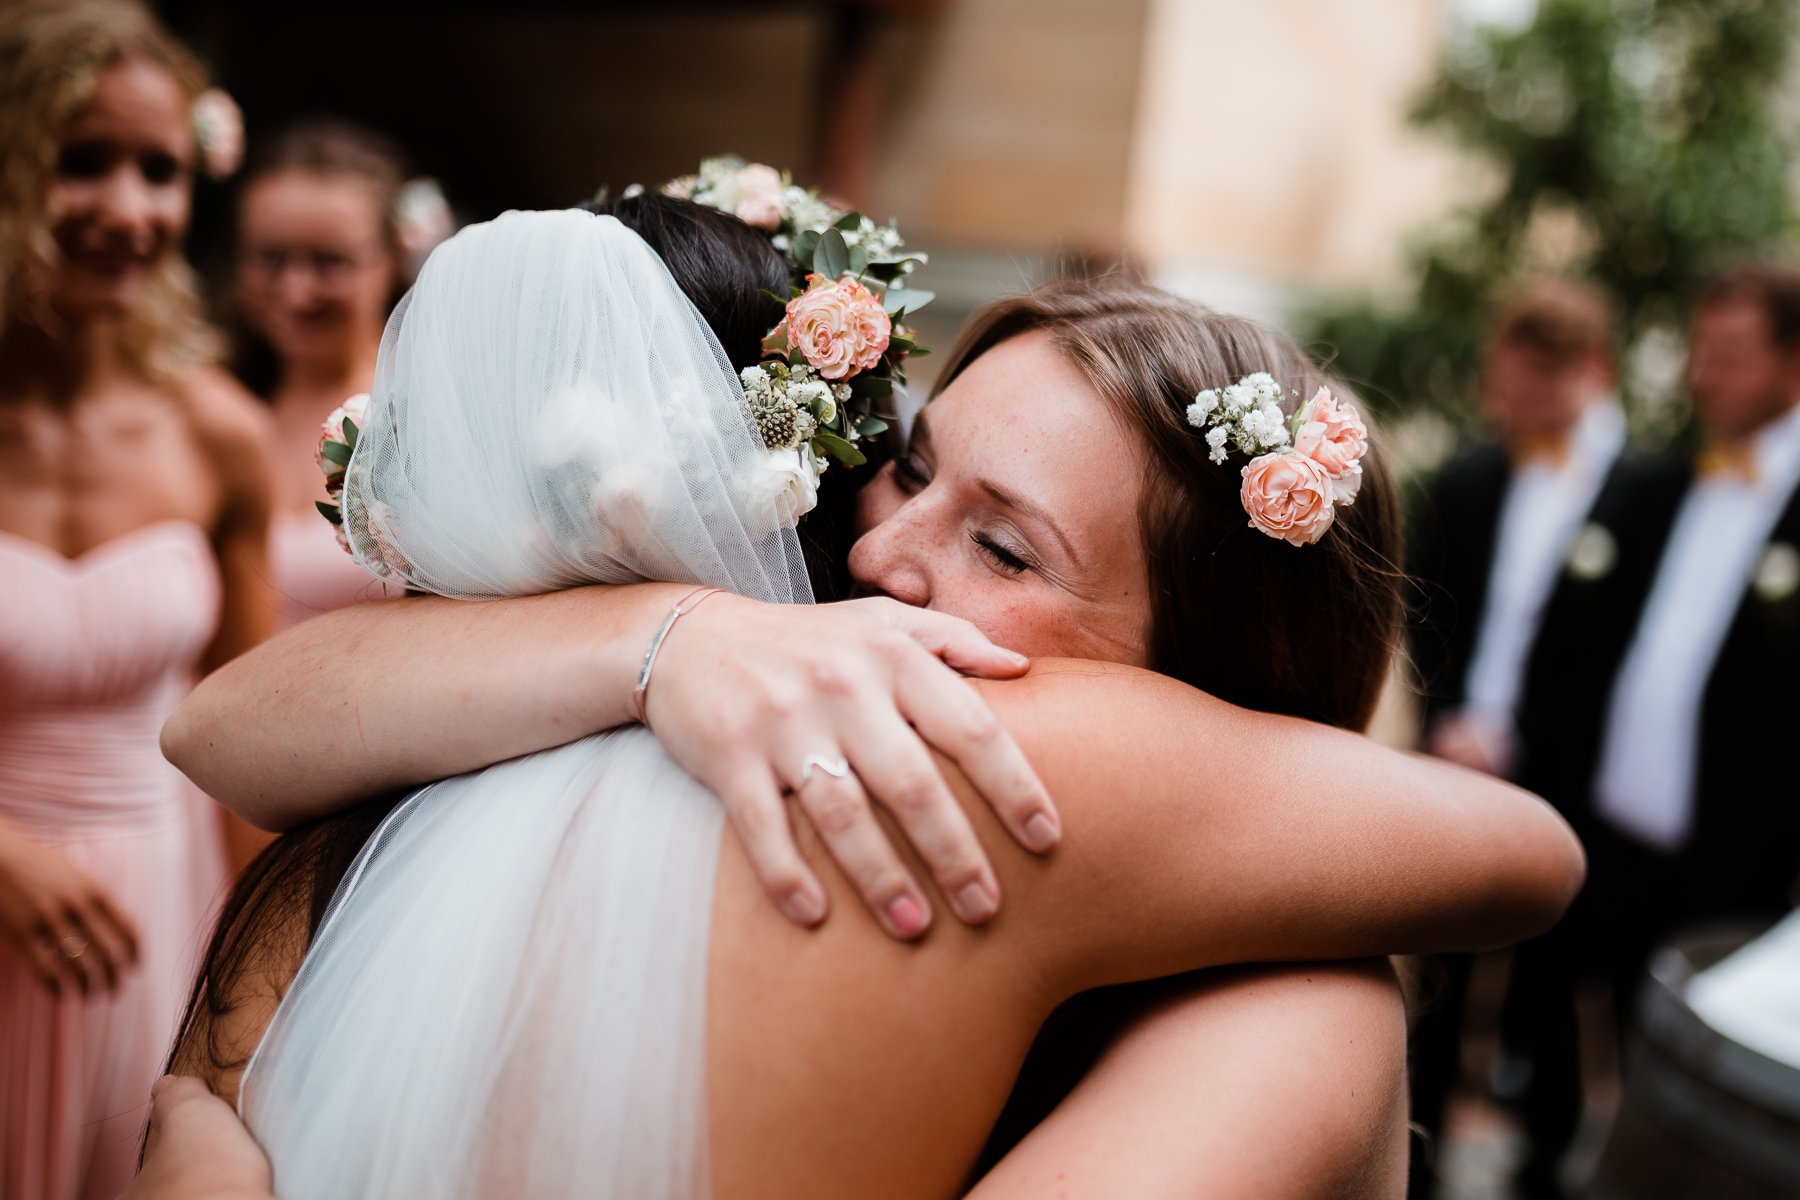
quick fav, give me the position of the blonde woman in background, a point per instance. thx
(133, 507)
(327, 230)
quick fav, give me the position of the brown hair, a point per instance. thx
(1773, 288)
(328, 148)
(1562, 318)
(332, 148)
(52, 54)
(1306, 631)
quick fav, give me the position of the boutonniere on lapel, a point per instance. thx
(1593, 554)
(1777, 575)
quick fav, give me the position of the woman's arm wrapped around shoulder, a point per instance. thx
(1200, 834)
(396, 693)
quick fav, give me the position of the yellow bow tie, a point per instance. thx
(1552, 449)
(1726, 460)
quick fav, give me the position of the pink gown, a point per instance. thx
(312, 572)
(94, 652)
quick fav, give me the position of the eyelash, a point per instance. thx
(911, 477)
(908, 474)
(999, 555)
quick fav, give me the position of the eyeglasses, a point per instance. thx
(326, 266)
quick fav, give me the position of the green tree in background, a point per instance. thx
(1637, 143)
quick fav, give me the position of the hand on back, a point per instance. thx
(757, 700)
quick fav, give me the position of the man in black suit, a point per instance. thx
(1488, 538)
(1658, 698)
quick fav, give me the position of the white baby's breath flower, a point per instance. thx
(1203, 407)
(815, 397)
(1215, 438)
(753, 378)
(807, 212)
(1236, 399)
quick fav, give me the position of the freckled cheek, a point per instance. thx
(1007, 614)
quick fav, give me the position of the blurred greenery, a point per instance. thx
(1637, 143)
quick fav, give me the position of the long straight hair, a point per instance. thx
(1308, 631)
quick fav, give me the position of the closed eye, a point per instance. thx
(909, 474)
(998, 554)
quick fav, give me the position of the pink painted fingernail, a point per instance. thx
(975, 902)
(1041, 833)
(906, 916)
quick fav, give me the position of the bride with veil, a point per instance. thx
(556, 976)
(549, 410)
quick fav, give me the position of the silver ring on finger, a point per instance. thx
(837, 768)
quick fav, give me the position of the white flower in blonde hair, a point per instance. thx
(422, 219)
(218, 133)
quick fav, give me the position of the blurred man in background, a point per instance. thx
(1489, 539)
(1657, 700)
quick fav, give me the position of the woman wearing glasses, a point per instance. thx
(328, 227)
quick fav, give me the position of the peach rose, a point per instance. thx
(1333, 436)
(332, 430)
(1288, 496)
(759, 192)
(838, 326)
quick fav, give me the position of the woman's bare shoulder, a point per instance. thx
(225, 416)
(235, 432)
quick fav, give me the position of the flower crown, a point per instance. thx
(830, 367)
(1302, 467)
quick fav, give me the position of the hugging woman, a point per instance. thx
(555, 976)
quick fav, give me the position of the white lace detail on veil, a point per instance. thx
(507, 995)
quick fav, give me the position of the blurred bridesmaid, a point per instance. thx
(134, 499)
(328, 231)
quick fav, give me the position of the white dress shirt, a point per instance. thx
(1650, 756)
(1544, 506)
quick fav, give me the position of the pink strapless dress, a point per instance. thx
(94, 653)
(312, 572)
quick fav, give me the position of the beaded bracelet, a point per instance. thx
(640, 695)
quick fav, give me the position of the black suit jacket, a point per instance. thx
(1454, 524)
(1745, 848)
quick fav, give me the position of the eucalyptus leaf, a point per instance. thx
(909, 299)
(806, 245)
(870, 426)
(335, 452)
(840, 449)
(850, 222)
(832, 258)
(351, 433)
(859, 261)
(329, 512)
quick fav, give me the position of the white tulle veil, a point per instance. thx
(507, 994)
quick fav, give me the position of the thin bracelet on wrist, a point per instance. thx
(640, 695)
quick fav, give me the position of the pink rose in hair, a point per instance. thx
(759, 191)
(838, 326)
(1288, 496)
(1333, 436)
